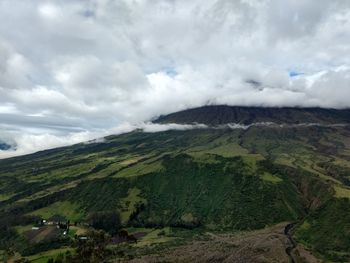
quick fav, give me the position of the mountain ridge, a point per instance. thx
(223, 114)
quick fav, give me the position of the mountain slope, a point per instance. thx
(218, 180)
(222, 114)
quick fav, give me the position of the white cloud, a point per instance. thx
(25, 143)
(29, 143)
(49, 10)
(99, 63)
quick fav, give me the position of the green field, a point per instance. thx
(67, 209)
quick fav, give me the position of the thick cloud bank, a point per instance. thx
(72, 70)
(23, 143)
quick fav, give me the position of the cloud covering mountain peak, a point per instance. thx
(88, 66)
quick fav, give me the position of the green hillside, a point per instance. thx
(185, 184)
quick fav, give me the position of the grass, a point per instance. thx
(131, 161)
(128, 204)
(271, 178)
(341, 192)
(50, 190)
(133, 230)
(70, 171)
(77, 230)
(140, 168)
(115, 165)
(251, 160)
(285, 159)
(22, 229)
(2, 255)
(43, 257)
(4, 197)
(342, 163)
(304, 226)
(156, 236)
(226, 146)
(70, 211)
(309, 167)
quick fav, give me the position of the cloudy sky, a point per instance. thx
(72, 70)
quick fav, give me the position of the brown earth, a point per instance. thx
(267, 245)
(42, 234)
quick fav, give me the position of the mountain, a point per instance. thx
(223, 114)
(263, 193)
(4, 146)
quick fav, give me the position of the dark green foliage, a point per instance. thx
(108, 221)
(190, 194)
(329, 222)
(98, 195)
(8, 237)
(224, 194)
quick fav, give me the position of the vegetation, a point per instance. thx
(329, 222)
(108, 221)
(66, 209)
(168, 188)
(93, 249)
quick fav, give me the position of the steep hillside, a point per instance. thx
(222, 114)
(174, 188)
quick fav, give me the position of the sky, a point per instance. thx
(74, 70)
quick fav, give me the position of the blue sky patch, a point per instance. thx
(294, 73)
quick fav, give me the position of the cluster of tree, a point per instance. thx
(8, 236)
(108, 221)
(139, 207)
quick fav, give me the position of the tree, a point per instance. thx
(108, 221)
